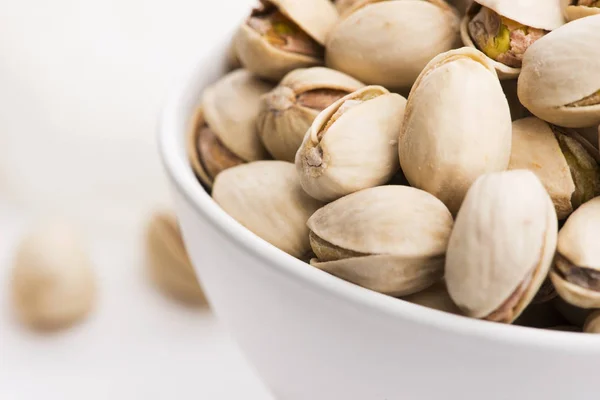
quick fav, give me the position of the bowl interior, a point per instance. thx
(175, 123)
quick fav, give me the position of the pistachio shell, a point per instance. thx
(266, 198)
(592, 323)
(502, 245)
(390, 238)
(535, 147)
(461, 5)
(547, 85)
(192, 149)
(344, 5)
(314, 17)
(388, 43)
(578, 248)
(457, 126)
(285, 117)
(541, 14)
(436, 297)
(231, 106)
(168, 262)
(573, 11)
(352, 144)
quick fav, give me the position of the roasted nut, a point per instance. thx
(575, 9)
(266, 198)
(168, 261)
(549, 86)
(391, 239)
(282, 35)
(389, 42)
(592, 323)
(290, 109)
(576, 272)
(457, 126)
(504, 29)
(502, 245)
(53, 284)
(436, 297)
(224, 131)
(560, 158)
(352, 145)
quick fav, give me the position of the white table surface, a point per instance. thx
(82, 85)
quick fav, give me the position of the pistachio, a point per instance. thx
(168, 262)
(289, 110)
(391, 239)
(389, 42)
(505, 29)
(546, 293)
(575, 9)
(560, 158)
(592, 323)
(53, 284)
(282, 35)
(344, 5)
(574, 315)
(266, 198)
(224, 131)
(461, 5)
(436, 297)
(547, 85)
(352, 144)
(457, 126)
(576, 272)
(501, 246)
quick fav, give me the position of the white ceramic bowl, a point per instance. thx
(312, 336)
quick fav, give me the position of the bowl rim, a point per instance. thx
(173, 126)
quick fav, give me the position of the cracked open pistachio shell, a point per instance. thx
(224, 131)
(266, 198)
(550, 84)
(457, 126)
(592, 323)
(436, 297)
(391, 239)
(168, 263)
(461, 5)
(344, 5)
(504, 29)
(389, 42)
(282, 35)
(563, 161)
(290, 109)
(502, 245)
(575, 9)
(352, 144)
(576, 271)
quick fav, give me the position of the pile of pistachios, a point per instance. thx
(444, 153)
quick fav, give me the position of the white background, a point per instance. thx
(81, 86)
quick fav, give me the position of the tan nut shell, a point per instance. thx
(573, 12)
(388, 43)
(192, 148)
(457, 126)
(231, 107)
(53, 283)
(266, 198)
(344, 5)
(359, 150)
(592, 323)
(535, 147)
(505, 230)
(315, 17)
(282, 122)
(402, 231)
(547, 82)
(436, 297)
(578, 243)
(168, 261)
